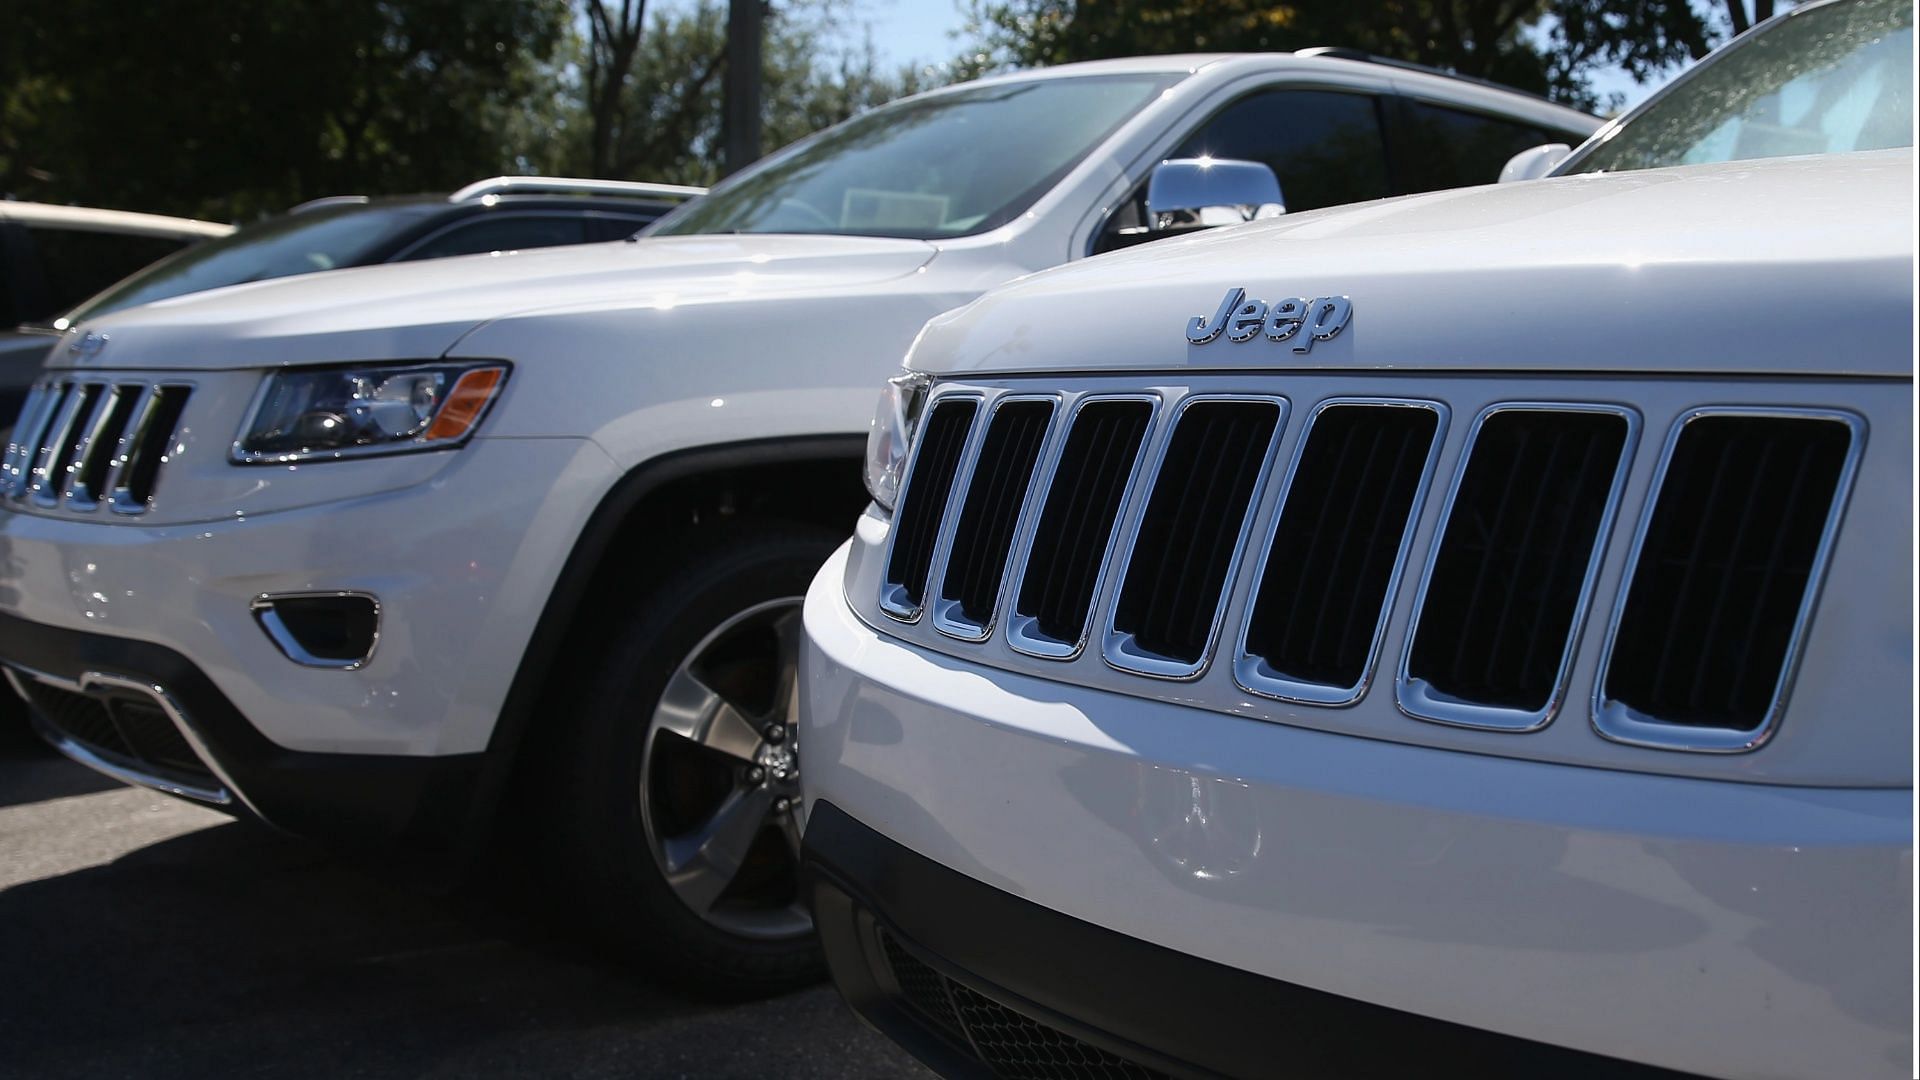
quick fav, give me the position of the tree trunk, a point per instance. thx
(741, 128)
(1737, 11)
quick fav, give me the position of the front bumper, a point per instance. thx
(146, 632)
(462, 566)
(146, 715)
(1722, 928)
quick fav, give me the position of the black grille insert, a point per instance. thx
(1513, 564)
(154, 441)
(132, 731)
(1009, 1043)
(1076, 523)
(1340, 535)
(995, 496)
(1725, 567)
(924, 502)
(1201, 498)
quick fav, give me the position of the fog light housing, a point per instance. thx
(337, 630)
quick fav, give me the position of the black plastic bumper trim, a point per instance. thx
(346, 798)
(1155, 1005)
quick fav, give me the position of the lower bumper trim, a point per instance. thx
(1149, 1008)
(360, 799)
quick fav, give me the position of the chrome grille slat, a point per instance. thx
(80, 442)
(24, 443)
(43, 486)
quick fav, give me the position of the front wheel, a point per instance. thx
(678, 783)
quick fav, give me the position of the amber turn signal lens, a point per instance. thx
(465, 403)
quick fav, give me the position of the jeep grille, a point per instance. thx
(80, 443)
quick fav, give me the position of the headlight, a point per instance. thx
(891, 436)
(321, 413)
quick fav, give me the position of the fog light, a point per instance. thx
(321, 629)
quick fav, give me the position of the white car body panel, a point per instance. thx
(1384, 872)
(1732, 914)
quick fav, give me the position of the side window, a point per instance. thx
(1325, 146)
(1449, 148)
(615, 226)
(506, 232)
(80, 262)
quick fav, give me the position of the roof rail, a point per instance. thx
(563, 185)
(330, 200)
(1340, 52)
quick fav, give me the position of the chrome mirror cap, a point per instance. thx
(1201, 193)
(1534, 162)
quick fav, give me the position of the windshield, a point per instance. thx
(319, 239)
(949, 164)
(1827, 79)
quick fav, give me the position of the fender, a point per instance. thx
(543, 648)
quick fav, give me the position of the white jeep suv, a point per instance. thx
(1472, 628)
(362, 553)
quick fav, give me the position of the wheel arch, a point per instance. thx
(658, 507)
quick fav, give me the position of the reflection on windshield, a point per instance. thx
(1829, 79)
(320, 239)
(949, 164)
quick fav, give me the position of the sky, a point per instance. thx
(918, 32)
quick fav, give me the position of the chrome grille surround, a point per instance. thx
(1251, 672)
(1423, 702)
(947, 616)
(897, 601)
(1851, 558)
(1615, 720)
(1023, 631)
(1119, 648)
(63, 430)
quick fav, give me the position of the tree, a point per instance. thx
(234, 110)
(1545, 46)
(613, 41)
(674, 105)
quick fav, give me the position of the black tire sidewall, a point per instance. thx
(600, 839)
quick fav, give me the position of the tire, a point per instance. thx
(676, 745)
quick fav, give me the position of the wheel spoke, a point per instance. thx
(701, 865)
(693, 710)
(786, 695)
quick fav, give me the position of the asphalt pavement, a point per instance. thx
(144, 937)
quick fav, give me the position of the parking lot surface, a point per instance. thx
(144, 937)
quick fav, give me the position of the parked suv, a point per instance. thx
(1454, 629)
(505, 213)
(360, 552)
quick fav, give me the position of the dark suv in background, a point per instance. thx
(501, 214)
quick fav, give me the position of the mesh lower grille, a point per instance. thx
(1724, 568)
(79, 717)
(1077, 521)
(1339, 538)
(1192, 525)
(123, 729)
(1514, 560)
(1010, 1043)
(995, 496)
(924, 502)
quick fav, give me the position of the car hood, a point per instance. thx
(1786, 266)
(419, 310)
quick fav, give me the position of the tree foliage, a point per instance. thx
(1551, 47)
(233, 109)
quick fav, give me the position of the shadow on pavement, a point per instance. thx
(230, 950)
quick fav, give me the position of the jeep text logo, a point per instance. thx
(1301, 320)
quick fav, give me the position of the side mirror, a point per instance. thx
(1534, 162)
(1200, 193)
